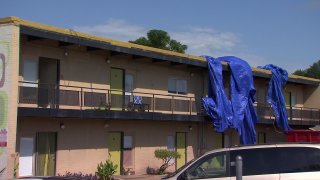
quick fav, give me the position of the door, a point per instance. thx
(26, 157)
(117, 88)
(181, 149)
(46, 153)
(114, 146)
(48, 83)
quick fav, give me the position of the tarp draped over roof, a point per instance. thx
(275, 95)
(238, 112)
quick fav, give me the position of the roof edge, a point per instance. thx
(10, 19)
(70, 32)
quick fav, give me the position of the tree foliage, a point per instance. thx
(166, 156)
(106, 170)
(162, 40)
(313, 71)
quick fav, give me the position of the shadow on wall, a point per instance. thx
(92, 134)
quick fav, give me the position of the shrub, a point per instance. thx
(79, 176)
(151, 170)
(166, 156)
(106, 170)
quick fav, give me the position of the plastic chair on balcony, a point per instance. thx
(137, 105)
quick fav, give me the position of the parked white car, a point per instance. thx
(260, 162)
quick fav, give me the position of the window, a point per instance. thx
(30, 72)
(290, 99)
(211, 166)
(171, 143)
(127, 142)
(261, 138)
(128, 88)
(177, 86)
(129, 83)
(256, 161)
(299, 159)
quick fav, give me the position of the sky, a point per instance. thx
(285, 33)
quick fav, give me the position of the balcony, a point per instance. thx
(106, 103)
(71, 101)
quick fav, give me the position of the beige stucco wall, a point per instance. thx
(83, 143)
(311, 96)
(9, 49)
(82, 68)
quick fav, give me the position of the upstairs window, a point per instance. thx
(177, 86)
(129, 83)
(30, 72)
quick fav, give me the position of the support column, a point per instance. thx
(9, 71)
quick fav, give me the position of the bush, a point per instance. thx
(79, 176)
(151, 170)
(106, 170)
(166, 156)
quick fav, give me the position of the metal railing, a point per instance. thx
(82, 98)
(73, 97)
(296, 115)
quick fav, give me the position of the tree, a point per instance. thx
(313, 71)
(162, 40)
(166, 156)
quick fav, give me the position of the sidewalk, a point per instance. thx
(144, 177)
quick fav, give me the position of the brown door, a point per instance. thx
(48, 82)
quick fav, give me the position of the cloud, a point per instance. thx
(200, 40)
(114, 28)
(206, 41)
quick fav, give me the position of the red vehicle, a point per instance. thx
(304, 136)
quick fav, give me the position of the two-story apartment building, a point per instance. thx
(71, 100)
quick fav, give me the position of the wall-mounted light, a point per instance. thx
(62, 126)
(190, 128)
(106, 125)
(191, 74)
(66, 52)
(108, 60)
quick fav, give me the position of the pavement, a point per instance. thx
(144, 177)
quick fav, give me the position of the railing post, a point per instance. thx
(81, 98)
(301, 114)
(109, 97)
(172, 104)
(153, 103)
(190, 106)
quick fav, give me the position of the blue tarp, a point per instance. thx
(275, 95)
(238, 111)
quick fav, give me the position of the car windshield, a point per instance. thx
(178, 170)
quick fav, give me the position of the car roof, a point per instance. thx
(316, 145)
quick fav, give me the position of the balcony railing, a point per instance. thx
(299, 115)
(83, 98)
